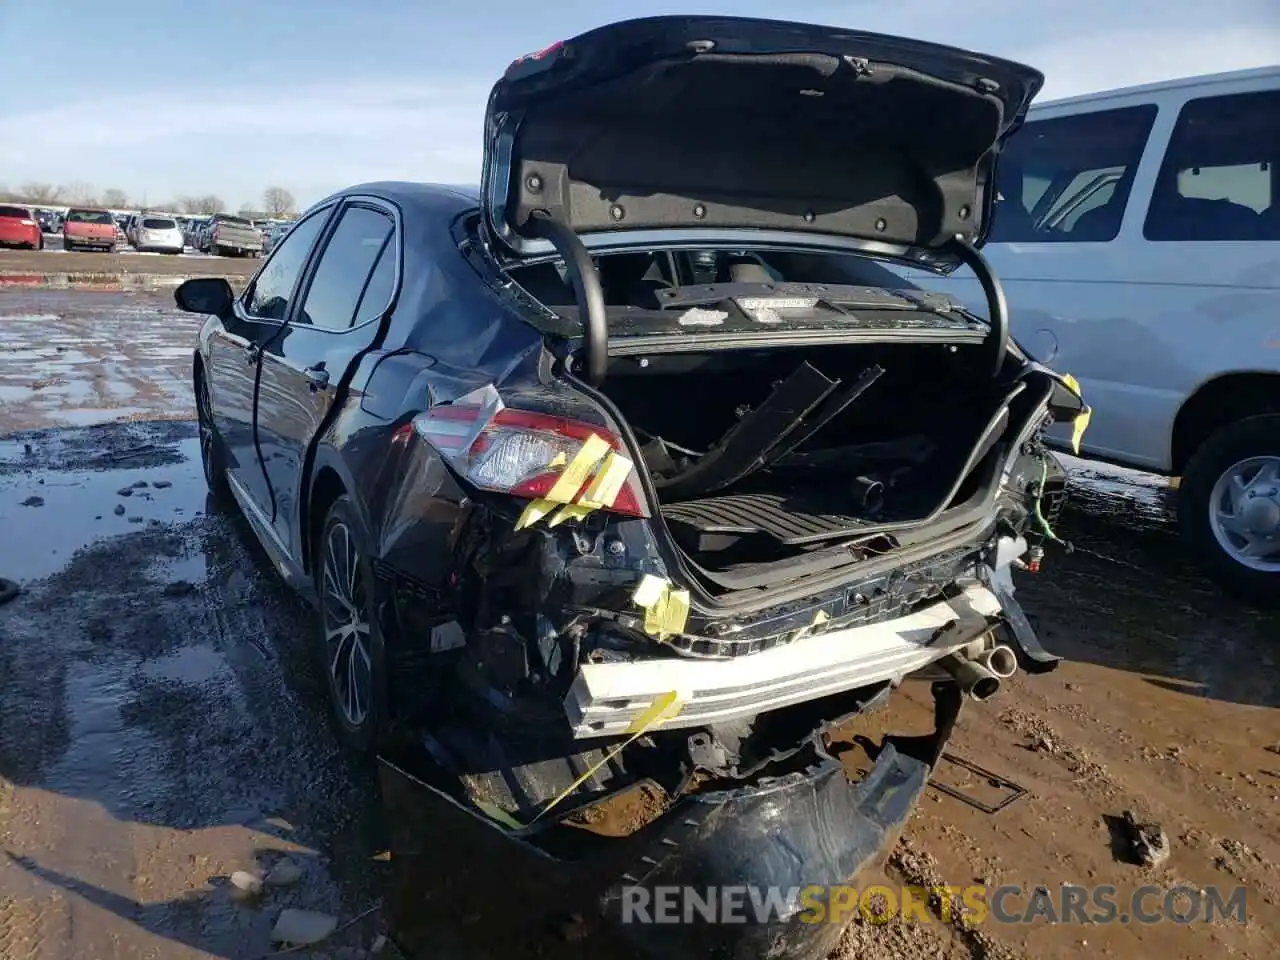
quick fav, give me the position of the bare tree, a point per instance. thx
(40, 193)
(115, 198)
(206, 205)
(81, 194)
(278, 202)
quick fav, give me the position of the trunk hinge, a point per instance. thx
(997, 307)
(587, 291)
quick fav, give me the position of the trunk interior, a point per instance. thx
(764, 456)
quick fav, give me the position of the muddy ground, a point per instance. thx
(161, 725)
(53, 259)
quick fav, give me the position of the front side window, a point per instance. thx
(268, 298)
(346, 270)
(1219, 178)
(1067, 179)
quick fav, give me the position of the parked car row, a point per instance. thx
(86, 228)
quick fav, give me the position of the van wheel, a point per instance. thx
(350, 650)
(1229, 507)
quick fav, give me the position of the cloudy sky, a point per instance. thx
(168, 97)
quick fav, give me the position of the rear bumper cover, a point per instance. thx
(812, 829)
(606, 698)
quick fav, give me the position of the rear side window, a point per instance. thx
(17, 212)
(90, 216)
(343, 292)
(1067, 179)
(269, 297)
(1220, 178)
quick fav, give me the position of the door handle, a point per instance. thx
(318, 376)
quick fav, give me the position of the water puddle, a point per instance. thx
(196, 665)
(70, 510)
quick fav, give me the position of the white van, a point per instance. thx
(1137, 235)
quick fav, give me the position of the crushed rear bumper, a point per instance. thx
(815, 828)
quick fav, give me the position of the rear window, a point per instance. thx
(237, 221)
(158, 223)
(90, 216)
(18, 212)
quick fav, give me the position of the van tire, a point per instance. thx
(1251, 437)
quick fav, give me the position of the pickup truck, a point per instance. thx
(233, 236)
(86, 229)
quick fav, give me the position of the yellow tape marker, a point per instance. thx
(669, 615)
(604, 489)
(820, 617)
(535, 511)
(494, 812)
(1081, 423)
(666, 611)
(648, 590)
(579, 468)
(570, 511)
(1078, 428)
(662, 709)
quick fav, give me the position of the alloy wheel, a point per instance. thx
(345, 612)
(204, 421)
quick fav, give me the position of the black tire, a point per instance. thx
(212, 456)
(1245, 439)
(213, 250)
(341, 566)
(8, 591)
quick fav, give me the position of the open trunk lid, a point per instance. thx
(702, 125)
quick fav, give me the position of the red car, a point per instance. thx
(19, 228)
(89, 229)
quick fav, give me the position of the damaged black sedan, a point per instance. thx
(635, 471)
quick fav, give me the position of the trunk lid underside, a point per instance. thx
(714, 123)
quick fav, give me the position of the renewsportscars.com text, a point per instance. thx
(1006, 904)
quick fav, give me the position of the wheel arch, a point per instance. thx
(1218, 402)
(328, 478)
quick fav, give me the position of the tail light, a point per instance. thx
(526, 454)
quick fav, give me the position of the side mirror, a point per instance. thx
(205, 295)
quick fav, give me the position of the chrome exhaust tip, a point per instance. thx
(975, 680)
(1000, 661)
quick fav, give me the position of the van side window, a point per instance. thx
(1220, 179)
(1067, 179)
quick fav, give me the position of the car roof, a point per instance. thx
(434, 198)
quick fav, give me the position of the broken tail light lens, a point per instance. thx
(520, 452)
